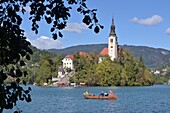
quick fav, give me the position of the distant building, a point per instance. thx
(169, 81)
(61, 72)
(111, 51)
(112, 45)
(68, 62)
(156, 72)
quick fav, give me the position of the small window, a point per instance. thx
(111, 46)
(111, 40)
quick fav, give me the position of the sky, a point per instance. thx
(137, 22)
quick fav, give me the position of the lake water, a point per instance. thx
(150, 99)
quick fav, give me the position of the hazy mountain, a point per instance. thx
(37, 53)
(153, 57)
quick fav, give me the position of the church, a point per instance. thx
(112, 45)
(111, 50)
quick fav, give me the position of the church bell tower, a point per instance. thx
(112, 42)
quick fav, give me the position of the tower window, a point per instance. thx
(111, 46)
(111, 40)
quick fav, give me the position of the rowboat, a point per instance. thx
(99, 97)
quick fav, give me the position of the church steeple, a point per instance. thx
(112, 42)
(112, 29)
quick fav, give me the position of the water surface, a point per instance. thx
(150, 99)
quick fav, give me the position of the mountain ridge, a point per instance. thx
(153, 57)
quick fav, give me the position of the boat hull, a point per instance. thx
(99, 97)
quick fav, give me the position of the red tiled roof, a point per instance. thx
(104, 51)
(70, 56)
(82, 53)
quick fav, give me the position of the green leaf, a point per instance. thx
(36, 31)
(26, 91)
(13, 85)
(60, 34)
(22, 63)
(25, 73)
(28, 57)
(18, 80)
(23, 53)
(94, 10)
(79, 9)
(29, 88)
(101, 26)
(18, 73)
(29, 98)
(52, 29)
(24, 82)
(48, 19)
(90, 27)
(83, 4)
(87, 20)
(48, 12)
(96, 29)
(54, 36)
(3, 76)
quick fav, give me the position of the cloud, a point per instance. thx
(46, 43)
(168, 31)
(75, 27)
(155, 19)
(29, 34)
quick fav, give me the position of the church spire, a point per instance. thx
(112, 29)
(112, 21)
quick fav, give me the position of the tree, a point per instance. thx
(124, 71)
(95, 57)
(57, 63)
(114, 79)
(104, 71)
(14, 48)
(44, 73)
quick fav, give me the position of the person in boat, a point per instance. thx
(87, 92)
(101, 94)
(106, 94)
(111, 93)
